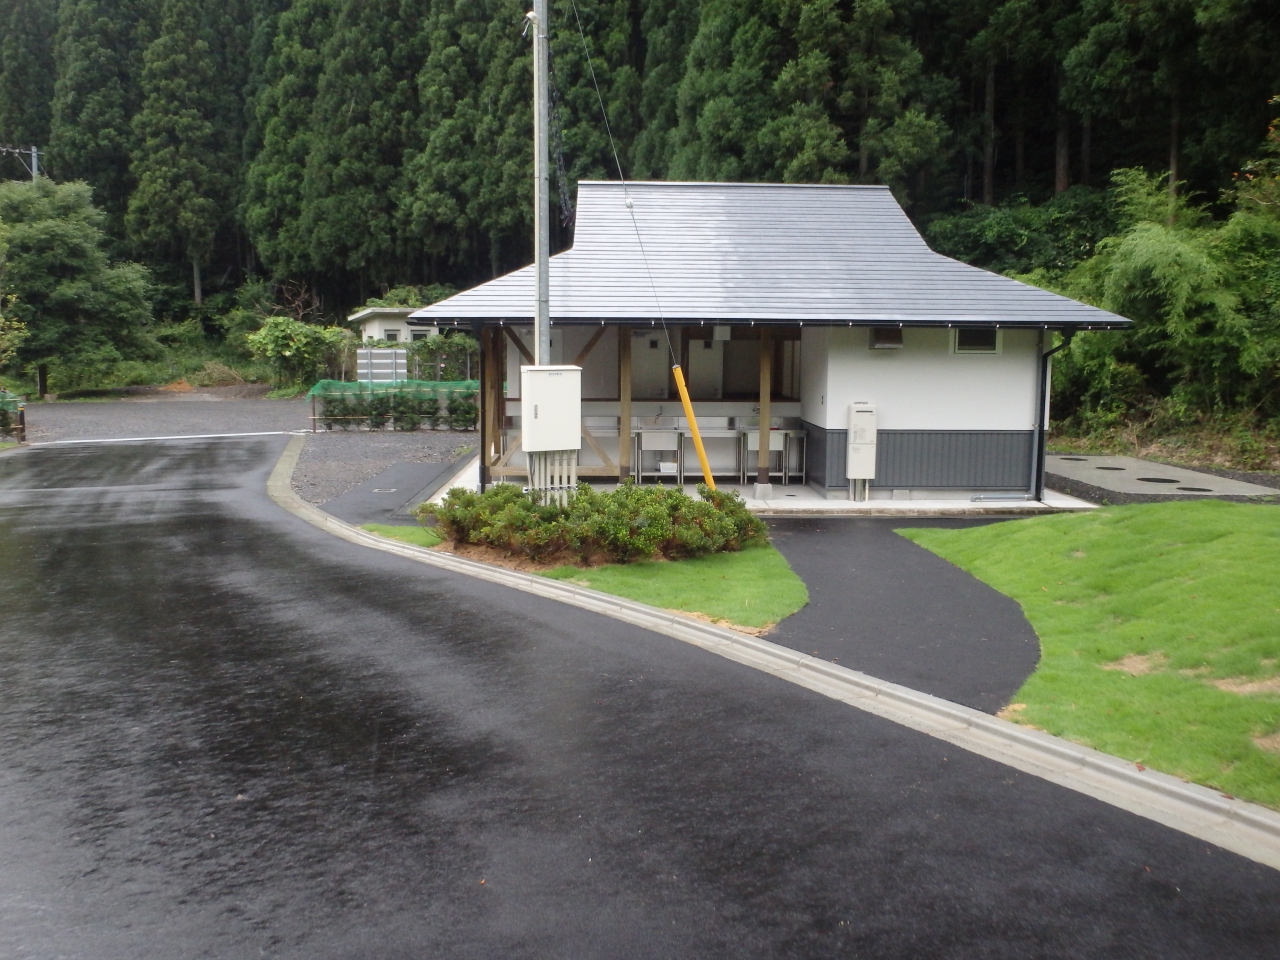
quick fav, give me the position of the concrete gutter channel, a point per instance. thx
(1244, 828)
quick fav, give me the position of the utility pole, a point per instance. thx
(541, 184)
(550, 396)
(32, 165)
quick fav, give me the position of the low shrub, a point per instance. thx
(407, 409)
(621, 526)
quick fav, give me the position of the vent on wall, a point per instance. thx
(886, 338)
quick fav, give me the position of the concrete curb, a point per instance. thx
(1244, 828)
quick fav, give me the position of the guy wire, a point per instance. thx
(675, 361)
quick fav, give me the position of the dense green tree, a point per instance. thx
(184, 186)
(26, 71)
(471, 176)
(364, 106)
(98, 54)
(80, 309)
(283, 113)
(667, 28)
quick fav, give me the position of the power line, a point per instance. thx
(626, 195)
(22, 153)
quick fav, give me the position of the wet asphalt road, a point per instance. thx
(225, 734)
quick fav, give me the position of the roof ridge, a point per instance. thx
(871, 187)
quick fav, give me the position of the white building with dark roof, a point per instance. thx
(839, 292)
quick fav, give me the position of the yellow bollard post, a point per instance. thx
(693, 427)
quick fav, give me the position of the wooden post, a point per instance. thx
(766, 393)
(624, 403)
(482, 422)
(493, 399)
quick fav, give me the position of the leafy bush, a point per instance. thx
(621, 526)
(298, 351)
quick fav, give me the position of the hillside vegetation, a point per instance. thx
(257, 158)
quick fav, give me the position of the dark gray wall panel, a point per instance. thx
(977, 459)
(825, 456)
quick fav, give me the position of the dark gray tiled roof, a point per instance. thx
(762, 252)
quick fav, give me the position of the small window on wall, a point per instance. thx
(417, 335)
(975, 340)
(392, 336)
(653, 344)
(886, 338)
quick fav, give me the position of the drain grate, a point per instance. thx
(1196, 489)
(1112, 468)
(1158, 480)
(1081, 459)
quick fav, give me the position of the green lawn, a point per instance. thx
(754, 588)
(418, 536)
(1159, 627)
(5, 444)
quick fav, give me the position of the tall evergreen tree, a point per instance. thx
(98, 54)
(726, 95)
(472, 175)
(184, 189)
(364, 106)
(667, 28)
(26, 71)
(283, 113)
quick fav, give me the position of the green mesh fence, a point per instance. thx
(326, 388)
(400, 404)
(9, 414)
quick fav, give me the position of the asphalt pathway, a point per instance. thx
(880, 604)
(226, 734)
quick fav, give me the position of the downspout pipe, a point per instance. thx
(1042, 429)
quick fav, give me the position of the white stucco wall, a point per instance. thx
(923, 386)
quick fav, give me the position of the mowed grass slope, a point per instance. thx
(754, 587)
(1160, 632)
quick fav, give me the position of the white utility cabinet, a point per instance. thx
(550, 408)
(379, 365)
(861, 458)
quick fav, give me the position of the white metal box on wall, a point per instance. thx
(381, 365)
(550, 408)
(860, 461)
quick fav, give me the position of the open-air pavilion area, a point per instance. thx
(785, 306)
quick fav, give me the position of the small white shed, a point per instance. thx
(391, 324)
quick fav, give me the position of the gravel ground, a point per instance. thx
(193, 414)
(331, 463)
(334, 462)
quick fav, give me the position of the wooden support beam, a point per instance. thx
(524, 351)
(591, 345)
(594, 445)
(493, 399)
(624, 403)
(766, 394)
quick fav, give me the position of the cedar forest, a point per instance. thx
(213, 163)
